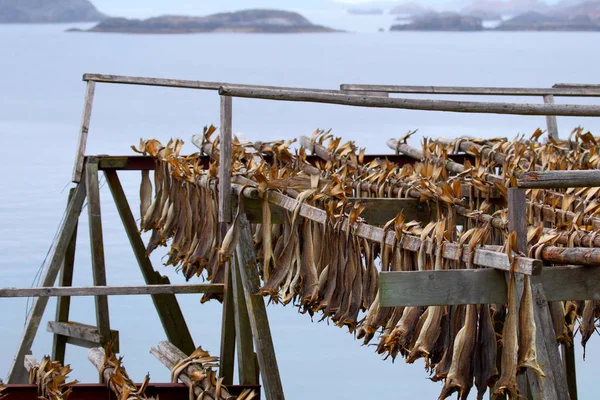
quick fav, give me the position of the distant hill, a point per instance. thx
(46, 11)
(365, 11)
(442, 22)
(410, 9)
(579, 17)
(247, 21)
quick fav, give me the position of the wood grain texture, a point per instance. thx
(259, 322)
(483, 286)
(225, 157)
(557, 90)
(228, 334)
(97, 248)
(63, 304)
(83, 131)
(17, 373)
(83, 332)
(413, 104)
(166, 304)
(551, 123)
(559, 179)
(86, 291)
(30, 363)
(245, 351)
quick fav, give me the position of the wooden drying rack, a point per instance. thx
(244, 313)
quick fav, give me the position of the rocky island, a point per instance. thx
(450, 22)
(579, 17)
(247, 21)
(36, 11)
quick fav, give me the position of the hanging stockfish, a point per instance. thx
(507, 384)
(460, 376)
(527, 334)
(51, 378)
(486, 372)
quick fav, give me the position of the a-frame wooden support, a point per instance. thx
(63, 259)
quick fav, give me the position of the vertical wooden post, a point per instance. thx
(63, 304)
(551, 123)
(517, 222)
(83, 131)
(246, 364)
(97, 248)
(225, 160)
(257, 312)
(167, 307)
(228, 333)
(568, 356)
(17, 373)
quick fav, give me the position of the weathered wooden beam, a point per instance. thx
(570, 367)
(482, 286)
(75, 291)
(169, 355)
(559, 179)
(83, 131)
(557, 90)
(30, 363)
(228, 334)
(17, 373)
(63, 304)
(413, 104)
(225, 157)
(259, 322)
(247, 372)
(167, 307)
(572, 255)
(81, 334)
(551, 122)
(97, 247)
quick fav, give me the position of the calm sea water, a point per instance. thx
(41, 96)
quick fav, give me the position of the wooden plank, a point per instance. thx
(576, 86)
(436, 288)
(428, 288)
(551, 122)
(17, 373)
(167, 307)
(82, 332)
(546, 338)
(557, 90)
(225, 155)
(227, 353)
(83, 131)
(97, 248)
(30, 363)
(257, 312)
(568, 357)
(153, 289)
(559, 179)
(63, 304)
(245, 351)
(413, 104)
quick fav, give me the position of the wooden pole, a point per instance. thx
(228, 333)
(246, 368)
(413, 104)
(225, 160)
(17, 373)
(559, 179)
(151, 289)
(575, 91)
(97, 248)
(63, 304)
(167, 307)
(259, 322)
(551, 122)
(83, 131)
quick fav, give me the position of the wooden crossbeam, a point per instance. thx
(559, 179)
(482, 286)
(412, 104)
(82, 335)
(84, 291)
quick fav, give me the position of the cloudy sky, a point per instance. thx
(144, 8)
